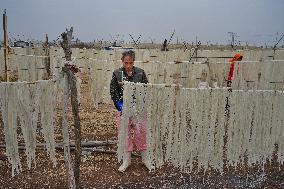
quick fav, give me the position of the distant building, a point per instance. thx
(22, 44)
(114, 46)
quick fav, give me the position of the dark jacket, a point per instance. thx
(116, 89)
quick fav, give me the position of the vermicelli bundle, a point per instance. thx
(194, 126)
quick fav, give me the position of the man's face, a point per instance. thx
(128, 63)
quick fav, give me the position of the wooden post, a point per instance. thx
(70, 71)
(66, 141)
(75, 109)
(5, 45)
(66, 43)
(47, 59)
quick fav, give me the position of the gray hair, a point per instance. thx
(129, 53)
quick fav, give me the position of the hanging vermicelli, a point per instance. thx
(151, 101)
(213, 112)
(41, 67)
(186, 133)
(219, 72)
(158, 127)
(162, 73)
(232, 127)
(276, 75)
(12, 124)
(195, 116)
(249, 125)
(191, 129)
(8, 107)
(168, 126)
(170, 71)
(184, 74)
(191, 125)
(199, 125)
(122, 132)
(266, 149)
(56, 65)
(151, 70)
(24, 101)
(254, 128)
(240, 118)
(187, 74)
(276, 122)
(191, 76)
(109, 67)
(255, 141)
(23, 68)
(209, 135)
(244, 122)
(258, 75)
(28, 114)
(98, 82)
(182, 103)
(217, 130)
(245, 70)
(32, 68)
(261, 80)
(266, 70)
(249, 70)
(47, 104)
(105, 95)
(260, 126)
(266, 145)
(202, 156)
(175, 131)
(28, 67)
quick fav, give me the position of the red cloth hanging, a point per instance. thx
(237, 57)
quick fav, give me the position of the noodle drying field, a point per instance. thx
(100, 170)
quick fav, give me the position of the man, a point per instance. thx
(237, 57)
(133, 74)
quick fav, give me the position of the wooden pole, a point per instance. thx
(66, 43)
(47, 59)
(75, 109)
(5, 45)
(66, 141)
(70, 71)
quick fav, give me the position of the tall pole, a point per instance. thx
(70, 71)
(66, 43)
(5, 45)
(47, 54)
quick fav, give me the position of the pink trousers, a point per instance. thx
(136, 133)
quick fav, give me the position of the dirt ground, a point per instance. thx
(99, 170)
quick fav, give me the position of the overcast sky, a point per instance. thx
(255, 21)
